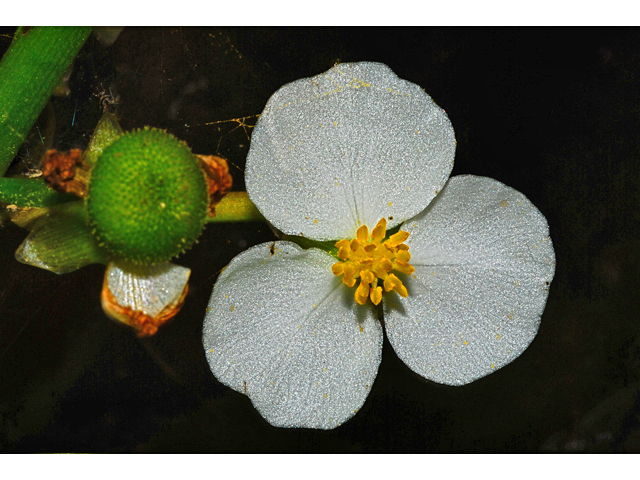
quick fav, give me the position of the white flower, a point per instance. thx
(294, 329)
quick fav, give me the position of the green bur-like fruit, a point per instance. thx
(148, 197)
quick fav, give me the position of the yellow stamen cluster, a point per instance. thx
(370, 259)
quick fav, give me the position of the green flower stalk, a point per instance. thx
(29, 73)
(30, 192)
(236, 207)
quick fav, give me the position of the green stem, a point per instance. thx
(30, 192)
(29, 72)
(236, 207)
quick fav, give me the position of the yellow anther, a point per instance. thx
(391, 282)
(367, 277)
(403, 256)
(343, 246)
(379, 231)
(379, 272)
(402, 290)
(370, 247)
(376, 295)
(362, 293)
(349, 281)
(404, 268)
(398, 238)
(362, 234)
(337, 268)
(371, 258)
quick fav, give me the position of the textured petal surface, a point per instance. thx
(345, 148)
(283, 330)
(150, 289)
(484, 262)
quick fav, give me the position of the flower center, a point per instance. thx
(370, 259)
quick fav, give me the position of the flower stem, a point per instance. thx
(29, 72)
(30, 192)
(236, 207)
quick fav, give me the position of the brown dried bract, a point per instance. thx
(66, 172)
(218, 179)
(145, 324)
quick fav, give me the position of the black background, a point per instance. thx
(553, 113)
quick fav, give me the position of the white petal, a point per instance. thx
(484, 262)
(345, 148)
(283, 330)
(144, 296)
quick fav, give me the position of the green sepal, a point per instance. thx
(60, 239)
(107, 130)
(328, 246)
(31, 192)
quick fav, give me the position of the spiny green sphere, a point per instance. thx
(148, 198)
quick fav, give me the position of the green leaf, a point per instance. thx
(29, 72)
(60, 240)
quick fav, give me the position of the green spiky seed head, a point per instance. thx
(147, 200)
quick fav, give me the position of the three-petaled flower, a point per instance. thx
(462, 283)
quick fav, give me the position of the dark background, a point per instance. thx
(553, 113)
